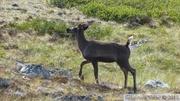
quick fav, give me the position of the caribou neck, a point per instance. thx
(81, 41)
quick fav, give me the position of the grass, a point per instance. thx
(66, 3)
(116, 13)
(152, 60)
(41, 26)
(124, 10)
(97, 32)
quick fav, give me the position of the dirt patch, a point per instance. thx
(20, 10)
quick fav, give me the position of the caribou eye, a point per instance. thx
(75, 29)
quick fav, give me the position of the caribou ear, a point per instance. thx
(83, 26)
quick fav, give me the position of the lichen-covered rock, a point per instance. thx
(4, 83)
(33, 70)
(60, 96)
(139, 43)
(55, 72)
(90, 97)
(155, 84)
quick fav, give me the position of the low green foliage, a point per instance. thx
(42, 26)
(66, 3)
(116, 13)
(97, 32)
(124, 10)
(2, 53)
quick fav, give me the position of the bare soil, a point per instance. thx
(20, 10)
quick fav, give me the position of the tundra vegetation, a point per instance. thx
(45, 41)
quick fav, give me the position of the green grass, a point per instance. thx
(66, 3)
(152, 60)
(104, 12)
(96, 32)
(124, 10)
(2, 53)
(42, 26)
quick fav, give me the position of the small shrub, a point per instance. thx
(22, 26)
(2, 52)
(116, 13)
(42, 26)
(97, 32)
(124, 10)
(66, 3)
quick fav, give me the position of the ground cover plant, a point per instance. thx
(41, 25)
(123, 10)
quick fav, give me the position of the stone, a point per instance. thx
(33, 70)
(4, 83)
(1, 22)
(15, 5)
(90, 97)
(156, 84)
(54, 72)
(139, 43)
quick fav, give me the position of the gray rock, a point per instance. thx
(19, 93)
(54, 72)
(60, 96)
(4, 83)
(134, 24)
(1, 22)
(32, 70)
(156, 84)
(15, 5)
(89, 97)
(139, 43)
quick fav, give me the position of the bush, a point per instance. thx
(116, 13)
(42, 26)
(66, 3)
(97, 32)
(124, 10)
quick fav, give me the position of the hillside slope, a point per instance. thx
(158, 59)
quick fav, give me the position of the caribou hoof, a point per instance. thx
(81, 77)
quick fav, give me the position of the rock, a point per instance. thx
(19, 93)
(1, 22)
(15, 5)
(12, 32)
(61, 13)
(156, 84)
(60, 4)
(4, 83)
(129, 92)
(56, 94)
(35, 70)
(134, 24)
(60, 96)
(154, 24)
(139, 43)
(54, 72)
(10, 46)
(32, 70)
(90, 97)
